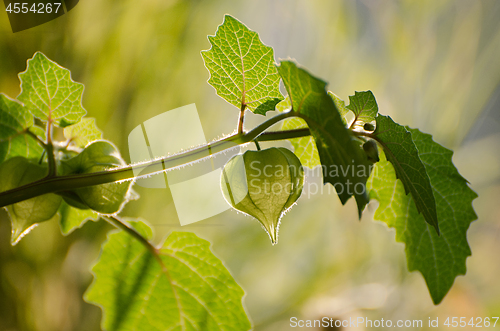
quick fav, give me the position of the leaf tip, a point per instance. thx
(18, 233)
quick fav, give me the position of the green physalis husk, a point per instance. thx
(24, 215)
(263, 184)
(371, 150)
(104, 198)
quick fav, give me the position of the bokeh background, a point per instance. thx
(431, 64)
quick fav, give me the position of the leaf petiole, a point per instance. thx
(116, 222)
(257, 144)
(49, 147)
(34, 136)
(241, 118)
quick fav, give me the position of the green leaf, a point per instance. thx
(72, 218)
(194, 291)
(49, 92)
(303, 147)
(340, 104)
(15, 120)
(439, 258)
(401, 151)
(83, 132)
(14, 117)
(242, 68)
(26, 214)
(344, 163)
(364, 106)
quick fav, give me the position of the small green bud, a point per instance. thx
(368, 127)
(263, 184)
(371, 150)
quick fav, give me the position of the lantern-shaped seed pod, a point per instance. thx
(105, 198)
(263, 184)
(369, 127)
(371, 150)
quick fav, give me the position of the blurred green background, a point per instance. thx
(431, 64)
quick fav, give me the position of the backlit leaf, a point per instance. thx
(364, 106)
(401, 151)
(344, 163)
(242, 68)
(15, 120)
(48, 91)
(340, 104)
(442, 258)
(191, 291)
(72, 218)
(303, 147)
(83, 132)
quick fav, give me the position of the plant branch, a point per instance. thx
(70, 182)
(282, 135)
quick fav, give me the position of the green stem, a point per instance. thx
(365, 134)
(116, 222)
(49, 147)
(282, 135)
(71, 182)
(20, 133)
(34, 136)
(241, 118)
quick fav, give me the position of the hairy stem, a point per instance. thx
(71, 182)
